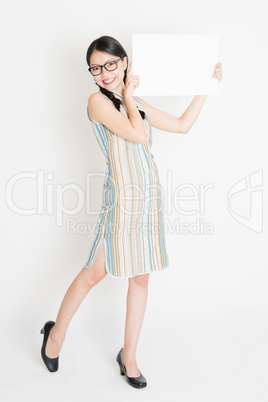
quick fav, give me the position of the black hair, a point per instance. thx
(109, 45)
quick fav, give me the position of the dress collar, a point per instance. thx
(118, 95)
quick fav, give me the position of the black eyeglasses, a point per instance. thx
(109, 66)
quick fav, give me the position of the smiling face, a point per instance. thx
(111, 80)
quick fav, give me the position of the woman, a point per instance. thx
(130, 240)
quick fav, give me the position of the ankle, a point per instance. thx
(129, 355)
(55, 336)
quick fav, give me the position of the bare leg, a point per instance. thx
(136, 304)
(77, 291)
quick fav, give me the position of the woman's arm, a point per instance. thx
(167, 122)
(190, 115)
(162, 120)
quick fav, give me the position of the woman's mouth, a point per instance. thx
(108, 82)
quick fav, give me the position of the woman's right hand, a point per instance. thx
(132, 82)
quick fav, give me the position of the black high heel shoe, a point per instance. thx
(51, 363)
(136, 382)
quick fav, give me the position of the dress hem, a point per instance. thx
(121, 277)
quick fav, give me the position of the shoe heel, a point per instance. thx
(52, 364)
(121, 370)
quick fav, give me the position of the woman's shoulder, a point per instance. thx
(93, 102)
(96, 95)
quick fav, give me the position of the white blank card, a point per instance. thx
(172, 64)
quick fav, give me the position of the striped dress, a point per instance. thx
(131, 220)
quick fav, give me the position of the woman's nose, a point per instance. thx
(105, 73)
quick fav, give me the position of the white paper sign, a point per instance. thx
(172, 64)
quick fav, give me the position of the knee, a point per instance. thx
(91, 278)
(140, 280)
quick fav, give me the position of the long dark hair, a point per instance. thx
(109, 45)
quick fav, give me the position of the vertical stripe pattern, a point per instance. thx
(131, 220)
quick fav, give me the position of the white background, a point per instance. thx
(204, 336)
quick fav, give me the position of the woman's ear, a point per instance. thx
(125, 62)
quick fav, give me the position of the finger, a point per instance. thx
(129, 74)
(134, 78)
(218, 76)
(134, 82)
(217, 69)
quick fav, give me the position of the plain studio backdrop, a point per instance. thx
(204, 335)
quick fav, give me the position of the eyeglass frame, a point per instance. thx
(111, 61)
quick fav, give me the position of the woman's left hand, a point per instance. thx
(217, 72)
